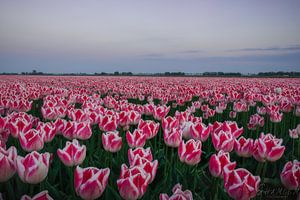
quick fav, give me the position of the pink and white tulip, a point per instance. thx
(7, 163)
(268, 148)
(90, 182)
(149, 128)
(218, 161)
(136, 139)
(133, 182)
(33, 168)
(111, 141)
(140, 151)
(190, 152)
(32, 140)
(244, 147)
(72, 154)
(200, 132)
(173, 137)
(290, 175)
(240, 184)
(178, 194)
(44, 195)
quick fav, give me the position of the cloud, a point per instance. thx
(190, 51)
(151, 56)
(286, 48)
(159, 56)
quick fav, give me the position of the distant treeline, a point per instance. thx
(204, 74)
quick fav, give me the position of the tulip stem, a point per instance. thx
(71, 174)
(215, 190)
(293, 146)
(31, 188)
(298, 148)
(264, 169)
(10, 191)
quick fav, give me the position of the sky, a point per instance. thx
(142, 36)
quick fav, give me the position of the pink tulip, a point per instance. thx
(272, 108)
(124, 119)
(160, 112)
(47, 130)
(149, 167)
(293, 133)
(78, 115)
(286, 106)
(195, 120)
(7, 163)
(18, 125)
(268, 147)
(90, 182)
(136, 139)
(111, 141)
(149, 109)
(255, 121)
(109, 102)
(227, 126)
(134, 117)
(32, 140)
(244, 147)
(200, 132)
(169, 123)
(133, 182)
(240, 184)
(140, 151)
(173, 137)
(149, 128)
(50, 113)
(40, 196)
(211, 112)
(223, 141)
(217, 162)
(290, 175)
(232, 114)
(60, 125)
(261, 110)
(240, 106)
(83, 131)
(4, 135)
(182, 116)
(108, 123)
(276, 117)
(178, 194)
(223, 135)
(72, 154)
(33, 168)
(3, 122)
(78, 130)
(204, 108)
(190, 152)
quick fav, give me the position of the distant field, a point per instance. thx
(127, 137)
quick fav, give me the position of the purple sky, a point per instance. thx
(149, 36)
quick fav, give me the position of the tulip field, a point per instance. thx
(177, 138)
